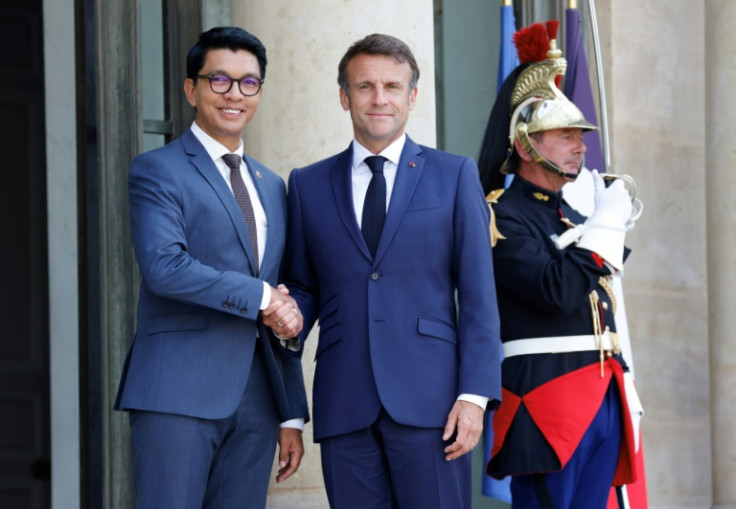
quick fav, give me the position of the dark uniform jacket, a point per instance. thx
(542, 292)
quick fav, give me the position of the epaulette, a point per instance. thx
(492, 199)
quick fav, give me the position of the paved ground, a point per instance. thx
(297, 499)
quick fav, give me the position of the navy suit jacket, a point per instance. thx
(198, 309)
(391, 334)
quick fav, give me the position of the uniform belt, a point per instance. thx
(558, 344)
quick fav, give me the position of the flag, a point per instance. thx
(508, 59)
(577, 88)
(507, 62)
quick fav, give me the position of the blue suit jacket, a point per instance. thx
(390, 331)
(199, 299)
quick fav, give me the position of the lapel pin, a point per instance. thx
(258, 174)
(412, 164)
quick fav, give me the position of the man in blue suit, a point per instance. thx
(392, 255)
(205, 381)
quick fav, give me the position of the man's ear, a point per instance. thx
(189, 92)
(344, 99)
(413, 98)
(522, 153)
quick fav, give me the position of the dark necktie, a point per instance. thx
(374, 207)
(243, 199)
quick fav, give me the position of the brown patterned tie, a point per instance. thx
(243, 199)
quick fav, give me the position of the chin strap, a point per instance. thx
(526, 144)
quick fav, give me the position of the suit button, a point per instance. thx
(244, 310)
(224, 304)
(376, 276)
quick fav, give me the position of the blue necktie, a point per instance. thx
(243, 199)
(374, 207)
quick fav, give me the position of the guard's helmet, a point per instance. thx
(528, 102)
(539, 105)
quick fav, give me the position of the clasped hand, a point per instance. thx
(282, 314)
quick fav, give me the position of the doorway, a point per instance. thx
(24, 344)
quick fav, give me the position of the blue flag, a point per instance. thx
(508, 59)
(507, 62)
(577, 88)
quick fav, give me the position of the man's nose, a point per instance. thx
(379, 95)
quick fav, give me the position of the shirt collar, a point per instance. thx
(392, 152)
(214, 148)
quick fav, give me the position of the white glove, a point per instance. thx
(613, 199)
(605, 230)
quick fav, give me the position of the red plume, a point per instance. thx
(532, 43)
(552, 26)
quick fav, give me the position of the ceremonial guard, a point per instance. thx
(563, 430)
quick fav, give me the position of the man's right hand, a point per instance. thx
(605, 230)
(613, 201)
(282, 314)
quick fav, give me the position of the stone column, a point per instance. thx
(300, 119)
(656, 87)
(720, 122)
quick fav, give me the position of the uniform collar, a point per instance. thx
(536, 194)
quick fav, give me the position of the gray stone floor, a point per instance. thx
(297, 499)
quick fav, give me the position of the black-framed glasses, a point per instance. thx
(222, 83)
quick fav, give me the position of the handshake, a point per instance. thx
(282, 314)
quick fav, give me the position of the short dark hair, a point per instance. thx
(232, 38)
(379, 44)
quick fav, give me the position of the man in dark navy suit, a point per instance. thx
(205, 381)
(389, 249)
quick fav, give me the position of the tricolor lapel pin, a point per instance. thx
(412, 164)
(258, 174)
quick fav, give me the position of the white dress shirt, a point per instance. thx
(361, 174)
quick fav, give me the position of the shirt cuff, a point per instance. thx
(291, 344)
(294, 423)
(266, 299)
(481, 401)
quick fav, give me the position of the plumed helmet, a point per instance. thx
(537, 103)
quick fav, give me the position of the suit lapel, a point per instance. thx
(267, 202)
(207, 168)
(342, 189)
(411, 165)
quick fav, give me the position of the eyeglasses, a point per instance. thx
(222, 83)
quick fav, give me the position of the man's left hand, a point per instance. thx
(291, 452)
(467, 419)
(282, 314)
